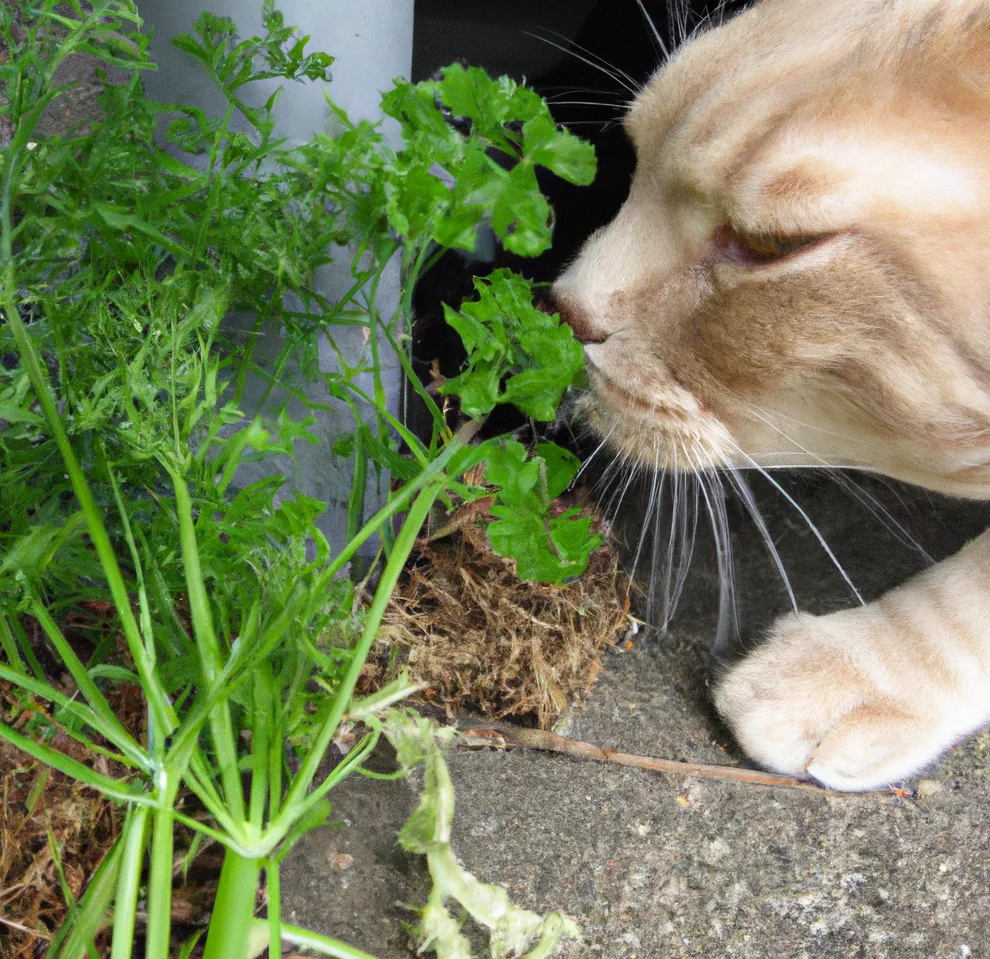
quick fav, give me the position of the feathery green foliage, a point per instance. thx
(123, 424)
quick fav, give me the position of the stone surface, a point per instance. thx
(658, 866)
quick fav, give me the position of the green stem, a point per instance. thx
(129, 883)
(414, 266)
(74, 939)
(400, 501)
(233, 909)
(9, 645)
(27, 650)
(404, 543)
(160, 874)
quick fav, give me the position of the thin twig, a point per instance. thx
(30, 932)
(501, 736)
(469, 429)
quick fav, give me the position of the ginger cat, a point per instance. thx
(801, 275)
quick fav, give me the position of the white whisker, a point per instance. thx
(727, 607)
(651, 506)
(591, 59)
(636, 466)
(598, 449)
(750, 503)
(870, 502)
(658, 40)
(814, 529)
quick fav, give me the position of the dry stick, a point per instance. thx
(499, 735)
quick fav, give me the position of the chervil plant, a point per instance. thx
(122, 430)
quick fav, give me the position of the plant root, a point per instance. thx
(480, 639)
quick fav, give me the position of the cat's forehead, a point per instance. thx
(785, 113)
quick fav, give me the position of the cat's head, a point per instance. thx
(801, 271)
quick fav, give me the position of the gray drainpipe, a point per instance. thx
(372, 43)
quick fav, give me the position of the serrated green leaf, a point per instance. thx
(467, 91)
(519, 533)
(560, 151)
(537, 393)
(505, 334)
(572, 536)
(521, 214)
(477, 388)
(516, 475)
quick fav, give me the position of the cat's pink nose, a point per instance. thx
(579, 320)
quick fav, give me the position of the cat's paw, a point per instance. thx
(819, 699)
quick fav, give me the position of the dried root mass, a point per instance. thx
(480, 639)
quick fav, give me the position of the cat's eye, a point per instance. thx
(755, 249)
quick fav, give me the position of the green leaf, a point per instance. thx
(513, 472)
(560, 151)
(561, 467)
(521, 214)
(545, 551)
(572, 536)
(467, 91)
(115, 673)
(13, 413)
(343, 446)
(505, 334)
(477, 388)
(126, 221)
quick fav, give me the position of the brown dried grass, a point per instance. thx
(46, 818)
(480, 639)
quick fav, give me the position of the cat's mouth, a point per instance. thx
(655, 422)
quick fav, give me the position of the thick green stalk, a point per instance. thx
(230, 925)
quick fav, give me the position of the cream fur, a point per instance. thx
(864, 124)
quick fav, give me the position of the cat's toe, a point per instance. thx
(871, 747)
(802, 706)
